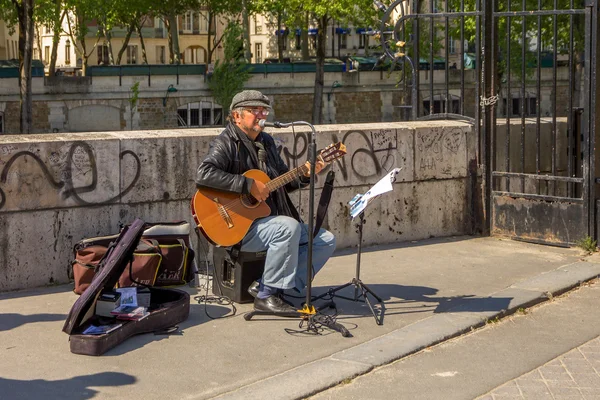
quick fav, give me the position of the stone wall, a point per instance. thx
(364, 96)
(12, 112)
(293, 107)
(152, 114)
(95, 114)
(358, 107)
(57, 189)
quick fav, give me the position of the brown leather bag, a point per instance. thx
(163, 257)
(141, 270)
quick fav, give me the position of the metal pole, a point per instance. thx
(487, 66)
(360, 230)
(591, 114)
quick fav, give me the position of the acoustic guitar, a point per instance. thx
(225, 217)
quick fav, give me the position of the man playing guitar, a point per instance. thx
(243, 146)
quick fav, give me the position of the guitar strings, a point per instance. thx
(231, 205)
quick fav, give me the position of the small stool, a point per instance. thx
(233, 279)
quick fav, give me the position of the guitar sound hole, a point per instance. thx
(249, 201)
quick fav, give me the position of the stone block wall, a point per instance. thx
(293, 107)
(57, 189)
(152, 114)
(358, 107)
(12, 112)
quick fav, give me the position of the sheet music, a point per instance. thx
(360, 201)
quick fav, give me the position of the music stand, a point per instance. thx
(357, 209)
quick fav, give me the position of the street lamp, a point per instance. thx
(334, 86)
(170, 89)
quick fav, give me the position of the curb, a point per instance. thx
(320, 375)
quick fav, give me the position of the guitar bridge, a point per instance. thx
(223, 213)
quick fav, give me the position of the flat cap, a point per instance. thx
(250, 98)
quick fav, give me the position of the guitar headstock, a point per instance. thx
(333, 152)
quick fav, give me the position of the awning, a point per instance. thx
(313, 31)
(342, 31)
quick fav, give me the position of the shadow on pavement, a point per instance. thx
(368, 248)
(77, 388)
(40, 291)
(11, 321)
(197, 317)
(400, 299)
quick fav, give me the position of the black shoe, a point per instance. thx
(286, 301)
(273, 304)
(253, 289)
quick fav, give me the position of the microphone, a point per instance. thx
(264, 124)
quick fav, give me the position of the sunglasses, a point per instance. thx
(257, 112)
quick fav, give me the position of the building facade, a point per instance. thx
(9, 42)
(193, 44)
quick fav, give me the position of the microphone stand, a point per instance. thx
(309, 311)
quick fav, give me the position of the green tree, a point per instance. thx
(280, 10)
(355, 12)
(79, 14)
(517, 53)
(218, 9)
(230, 74)
(168, 10)
(131, 14)
(21, 13)
(134, 97)
(49, 13)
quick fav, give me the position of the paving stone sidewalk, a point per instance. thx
(573, 375)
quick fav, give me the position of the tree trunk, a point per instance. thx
(111, 57)
(38, 37)
(139, 32)
(304, 38)
(125, 43)
(174, 35)
(246, 35)
(81, 37)
(55, 38)
(317, 115)
(333, 39)
(26, 31)
(280, 38)
(169, 40)
(210, 45)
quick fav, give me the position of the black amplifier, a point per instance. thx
(233, 280)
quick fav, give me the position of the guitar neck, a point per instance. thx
(288, 177)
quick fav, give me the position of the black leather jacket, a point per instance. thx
(231, 154)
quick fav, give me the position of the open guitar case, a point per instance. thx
(168, 307)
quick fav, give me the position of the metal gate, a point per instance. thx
(523, 73)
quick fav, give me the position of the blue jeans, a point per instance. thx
(286, 243)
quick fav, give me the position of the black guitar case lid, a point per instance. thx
(167, 308)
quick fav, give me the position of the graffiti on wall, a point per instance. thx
(73, 169)
(371, 154)
(60, 170)
(436, 148)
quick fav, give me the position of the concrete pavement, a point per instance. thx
(433, 290)
(551, 351)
